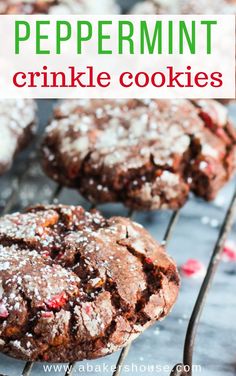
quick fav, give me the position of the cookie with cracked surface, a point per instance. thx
(184, 7)
(58, 7)
(75, 285)
(18, 123)
(147, 154)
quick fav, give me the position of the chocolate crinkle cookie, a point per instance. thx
(147, 154)
(75, 286)
(185, 7)
(17, 125)
(58, 7)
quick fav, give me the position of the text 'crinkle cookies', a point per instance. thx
(75, 286)
(58, 7)
(17, 124)
(147, 154)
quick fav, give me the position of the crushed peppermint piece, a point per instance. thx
(193, 268)
(148, 260)
(3, 311)
(229, 251)
(57, 301)
(47, 315)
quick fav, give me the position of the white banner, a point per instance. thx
(190, 56)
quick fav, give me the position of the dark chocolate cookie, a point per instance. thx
(17, 124)
(75, 286)
(185, 7)
(147, 154)
(58, 7)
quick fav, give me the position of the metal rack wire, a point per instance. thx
(179, 369)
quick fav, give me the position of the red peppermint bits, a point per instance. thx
(88, 310)
(229, 251)
(3, 311)
(47, 315)
(148, 260)
(193, 269)
(45, 357)
(57, 301)
(207, 119)
(46, 254)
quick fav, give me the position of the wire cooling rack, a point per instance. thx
(184, 368)
(178, 369)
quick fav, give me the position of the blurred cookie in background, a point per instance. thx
(18, 124)
(147, 154)
(58, 7)
(185, 7)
